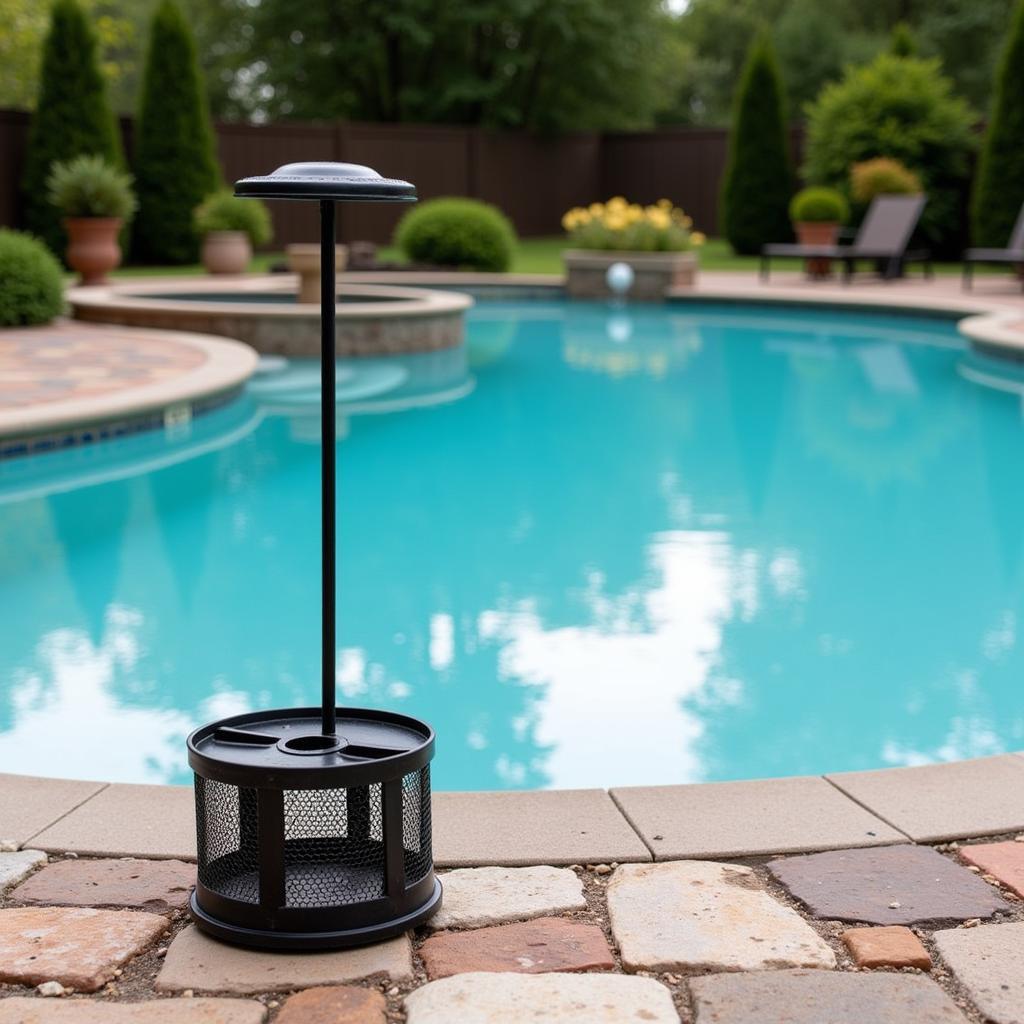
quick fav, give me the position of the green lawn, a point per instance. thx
(539, 256)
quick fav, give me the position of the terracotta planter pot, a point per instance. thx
(226, 252)
(304, 259)
(655, 273)
(817, 233)
(93, 248)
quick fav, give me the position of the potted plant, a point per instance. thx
(229, 228)
(817, 214)
(96, 200)
(882, 176)
(657, 242)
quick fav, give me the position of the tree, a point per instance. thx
(758, 180)
(175, 165)
(73, 116)
(999, 183)
(902, 42)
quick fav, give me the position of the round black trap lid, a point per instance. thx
(327, 181)
(287, 748)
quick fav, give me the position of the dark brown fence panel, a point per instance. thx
(13, 140)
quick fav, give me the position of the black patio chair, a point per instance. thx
(883, 237)
(1013, 254)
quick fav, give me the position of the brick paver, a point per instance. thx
(155, 885)
(531, 947)
(699, 915)
(157, 1011)
(76, 946)
(1004, 861)
(887, 885)
(887, 946)
(334, 1004)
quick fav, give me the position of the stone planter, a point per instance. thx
(817, 233)
(304, 260)
(655, 272)
(93, 248)
(226, 252)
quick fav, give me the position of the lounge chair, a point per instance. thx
(883, 238)
(1012, 254)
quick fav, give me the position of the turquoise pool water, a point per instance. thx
(603, 546)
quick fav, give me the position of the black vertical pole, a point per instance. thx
(327, 481)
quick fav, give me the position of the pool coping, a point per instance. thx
(755, 818)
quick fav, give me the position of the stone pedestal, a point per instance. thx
(655, 272)
(304, 260)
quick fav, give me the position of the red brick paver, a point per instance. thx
(890, 946)
(1004, 861)
(334, 1004)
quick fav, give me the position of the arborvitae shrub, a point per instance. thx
(758, 182)
(72, 116)
(175, 164)
(999, 182)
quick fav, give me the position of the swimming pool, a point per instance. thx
(621, 545)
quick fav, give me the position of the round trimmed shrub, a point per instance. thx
(31, 285)
(882, 177)
(819, 205)
(462, 233)
(224, 211)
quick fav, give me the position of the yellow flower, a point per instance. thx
(698, 238)
(617, 203)
(596, 209)
(615, 221)
(665, 204)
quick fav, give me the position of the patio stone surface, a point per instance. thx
(516, 828)
(155, 1011)
(886, 946)
(197, 962)
(1004, 861)
(889, 885)
(129, 821)
(987, 962)
(28, 805)
(334, 1004)
(541, 999)
(475, 897)
(822, 997)
(155, 885)
(699, 915)
(936, 802)
(540, 946)
(15, 866)
(742, 819)
(76, 946)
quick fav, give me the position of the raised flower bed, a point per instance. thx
(657, 242)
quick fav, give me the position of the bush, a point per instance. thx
(224, 211)
(999, 185)
(457, 233)
(902, 108)
(175, 166)
(89, 187)
(72, 116)
(882, 176)
(758, 180)
(628, 227)
(902, 42)
(31, 284)
(819, 205)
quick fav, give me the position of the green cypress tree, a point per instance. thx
(999, 181)
(175, 165)
(902, 42)
(758, 181)
(72, 116)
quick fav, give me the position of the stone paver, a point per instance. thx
(156, 885)
(987, 962)
(129, 821)
(699, 915)
(475, 897)
(743, 819)
(555, 826)
(203, 965)
(28, 805)
(334, 1004)
(539, 946)
(822, 997)
(79, 947)
(888, 885)
(15, 866)
(935, 802)
(887, 946)
(541, 999)
(1004, 861)
(155, 1011)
